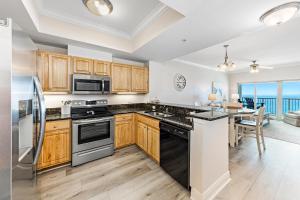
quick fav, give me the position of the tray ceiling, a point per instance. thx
(127, 19)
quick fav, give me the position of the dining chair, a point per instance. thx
(250, 126)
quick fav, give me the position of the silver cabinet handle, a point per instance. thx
(42, 109)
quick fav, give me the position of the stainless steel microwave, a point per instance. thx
(91, 84)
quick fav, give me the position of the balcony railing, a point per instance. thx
(290, 104)
(270, 103)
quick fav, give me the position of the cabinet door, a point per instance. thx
(56, 149)
(59, 73)
(153, 143)
(101, 68)
(123, 133)
(140, 79)
(82, 65)
(141, 135)
(121, 78)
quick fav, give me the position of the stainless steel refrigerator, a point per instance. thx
(22, 114)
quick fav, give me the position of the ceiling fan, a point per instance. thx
(254, 67)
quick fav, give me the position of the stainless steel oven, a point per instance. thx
(92, 131)
(91, 84)
(92, 139)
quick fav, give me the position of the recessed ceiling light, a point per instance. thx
(280, 14)
(99, 7)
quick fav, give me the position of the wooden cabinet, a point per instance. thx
(101, 68)
(139, 79)
(153, 142)
(82, 65)
(57, 144)
(121, 78)
(54, 72)
(141, 135)
(124, 131)
(148, 135)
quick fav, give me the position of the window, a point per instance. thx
(290, 96)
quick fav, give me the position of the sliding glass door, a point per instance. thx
(290, 96)
(266, 95)
(278, 97)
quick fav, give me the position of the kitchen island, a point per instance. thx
(209, 157)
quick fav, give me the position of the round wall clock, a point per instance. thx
(179, 82)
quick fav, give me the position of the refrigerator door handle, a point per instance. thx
(42, 114)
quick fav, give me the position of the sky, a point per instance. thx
(270, 89)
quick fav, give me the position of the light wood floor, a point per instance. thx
(130, 175)
(274, 176)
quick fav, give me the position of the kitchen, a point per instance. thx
(107, 104)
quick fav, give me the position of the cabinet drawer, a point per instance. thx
(56, 125)
(148, 121)
(123, 117)
(154, 123)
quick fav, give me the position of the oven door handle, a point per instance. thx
(81, 122)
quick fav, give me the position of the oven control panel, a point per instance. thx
(80, 103)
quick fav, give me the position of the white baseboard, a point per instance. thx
(212, 191)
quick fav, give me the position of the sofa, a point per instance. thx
(292, 118)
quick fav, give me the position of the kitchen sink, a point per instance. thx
(158, 114)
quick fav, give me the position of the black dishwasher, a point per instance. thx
(174, 152)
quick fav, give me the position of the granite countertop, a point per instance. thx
(53, 117)
(210, 116)
(182, 115)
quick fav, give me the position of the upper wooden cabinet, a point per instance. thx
(54, 71)
(121, 77)
(101, 68)
(127, 78)
(139, 79)
(82, 65)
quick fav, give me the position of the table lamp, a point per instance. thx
(212, 98)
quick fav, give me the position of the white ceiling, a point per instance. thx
(206, 25)
(277, 46)
(126, 19)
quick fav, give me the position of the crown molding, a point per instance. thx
(101, 28)
(194, 64)
(154, 14)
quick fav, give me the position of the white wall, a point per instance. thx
(198, 86)
(277, 74)
(89, 53)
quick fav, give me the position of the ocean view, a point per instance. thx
(289, 102)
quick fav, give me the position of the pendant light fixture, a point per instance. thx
(98, 7)
(227, 65)
(280, 14)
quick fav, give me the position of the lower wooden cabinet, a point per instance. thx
(153, 143)
(124, 130)
(140, 130)
(57, 144)
(148, 136)
(142, 135)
